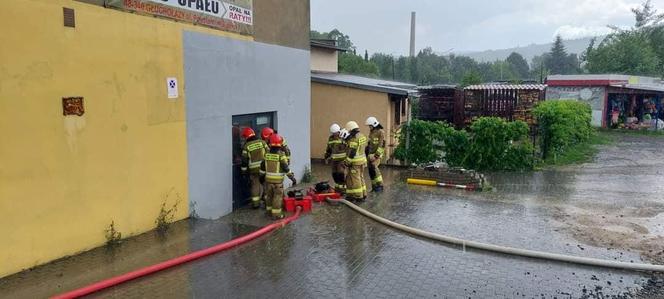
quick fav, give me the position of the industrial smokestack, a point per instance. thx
(412, 34)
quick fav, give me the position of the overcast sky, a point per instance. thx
(384, 25)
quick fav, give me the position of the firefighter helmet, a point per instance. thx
(335, 128)
(343, 133)
(276, 140)
(248, 132)
(372, 121)
(266, 133)
(351, 125)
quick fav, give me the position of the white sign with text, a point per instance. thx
(215, 8)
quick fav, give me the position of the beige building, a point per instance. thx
(339, 98)
(324, 55)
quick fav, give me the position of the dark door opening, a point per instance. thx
(257, 122)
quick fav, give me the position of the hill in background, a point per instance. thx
(576, 46)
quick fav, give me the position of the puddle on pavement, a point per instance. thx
(612, 208)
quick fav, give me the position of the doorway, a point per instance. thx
(256, 121)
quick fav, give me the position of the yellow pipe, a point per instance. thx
(421, 182)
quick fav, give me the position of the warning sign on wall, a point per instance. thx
(172, 87)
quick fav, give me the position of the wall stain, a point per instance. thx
(74, 126)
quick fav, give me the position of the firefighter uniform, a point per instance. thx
(274, 168)
(253, 153)
(336, 151)
(285, 148)
(267, 132)
(356, 160)
(375, 152)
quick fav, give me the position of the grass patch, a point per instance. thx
(113, 236)
(633, 132)
(579, 153)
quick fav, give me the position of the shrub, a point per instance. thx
(494, 144)
(422, 141)
(562, 124)
(499, 145)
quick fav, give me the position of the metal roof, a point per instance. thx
(331, 44)
(608, 77)
(506, 87)
(393, 87)
(601, 80)
(648, 87)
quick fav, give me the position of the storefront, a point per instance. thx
(617, 101)
(634, 108)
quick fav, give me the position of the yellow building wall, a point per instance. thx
(63, 180)
(338, 104)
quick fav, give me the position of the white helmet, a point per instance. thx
(372, 121)
(343, 133)
(335, 128)
(351, 125)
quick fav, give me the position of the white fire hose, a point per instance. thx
(503, 249)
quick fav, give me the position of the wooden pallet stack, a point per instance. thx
(525, 105)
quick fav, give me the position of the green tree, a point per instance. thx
(518, 65)
(502, 71)
(559, 62)
(638, 50)
(402, 69)
(342, 39)
(538, 69)
(471, 78)
(386, 65)
(460, 66)
(313, 34)
(647, 16)
(353, 64)
(627, 52)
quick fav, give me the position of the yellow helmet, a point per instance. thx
(351, 125)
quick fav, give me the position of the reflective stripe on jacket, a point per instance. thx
(356, 147)
(336, 148)
(376, 142)
(275, 167)
(253, 153)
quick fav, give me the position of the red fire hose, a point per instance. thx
(176, 261)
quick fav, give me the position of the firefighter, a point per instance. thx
(253, 153)
(356, 161)
(273, 170)
(336, 151)
(267, 132)
(375, 152)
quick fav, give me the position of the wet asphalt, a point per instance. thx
(610, 208)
